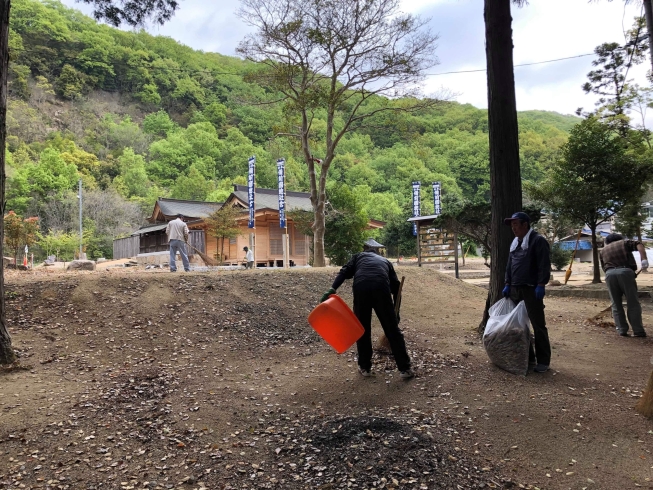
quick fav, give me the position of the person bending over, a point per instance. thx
(375, 285)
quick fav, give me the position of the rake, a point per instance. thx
(207, 260)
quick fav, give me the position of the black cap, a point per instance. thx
(519, 215)
(613, 237)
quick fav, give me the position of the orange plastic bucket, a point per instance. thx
(336, 323)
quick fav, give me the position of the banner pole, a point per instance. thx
(251, 197)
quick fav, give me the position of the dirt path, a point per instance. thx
(158, 380)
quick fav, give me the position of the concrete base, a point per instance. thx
(161, 258)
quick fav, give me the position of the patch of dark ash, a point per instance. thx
(390, 450)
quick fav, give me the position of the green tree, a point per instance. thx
(198, 144)
(19, 232)
(346, 224)
(132, 180)
(594, 179)
(70, 83)
(216, 114)
(64, 245)
(52, 174)
(559, 257)
(192, 186)
(158, 124)
(397, 236)
(222, 225)
(335, 57)
(609, 79)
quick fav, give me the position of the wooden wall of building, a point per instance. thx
(268, 244)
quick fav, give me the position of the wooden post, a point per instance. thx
(252, 245)
(286, 244)
(455, 255)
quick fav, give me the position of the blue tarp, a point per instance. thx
(571, 244)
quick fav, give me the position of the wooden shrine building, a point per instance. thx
(152, 240)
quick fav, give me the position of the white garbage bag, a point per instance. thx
(507, 336)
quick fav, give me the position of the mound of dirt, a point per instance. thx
(146, 379)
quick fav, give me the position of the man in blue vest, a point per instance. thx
(527, 273)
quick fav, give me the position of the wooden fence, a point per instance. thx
(124, 248)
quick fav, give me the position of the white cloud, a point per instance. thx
(541, 31)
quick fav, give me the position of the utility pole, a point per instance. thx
(81, 232)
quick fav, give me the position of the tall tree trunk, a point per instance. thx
(648, 13)
(596, 279)
(319, 228)
(505, 178)
(7, 355)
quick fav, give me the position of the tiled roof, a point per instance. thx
(149, 229)
(190, 209)
(269, 198)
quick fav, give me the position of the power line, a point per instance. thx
(521, 64)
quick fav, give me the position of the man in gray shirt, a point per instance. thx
(177, 232)
(527, 273)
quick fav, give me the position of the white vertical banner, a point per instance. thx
(437, 204)
(281, 179)
(416, 205)
(251, 193)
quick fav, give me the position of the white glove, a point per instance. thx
(644, 264)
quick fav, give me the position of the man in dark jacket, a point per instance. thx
(375, 288)
(527, 273)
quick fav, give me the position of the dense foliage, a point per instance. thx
(137, 116)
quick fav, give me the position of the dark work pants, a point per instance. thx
(535, 309)
(381, 302)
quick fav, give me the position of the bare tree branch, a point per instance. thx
(335, 56)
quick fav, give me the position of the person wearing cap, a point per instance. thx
(375, 288)
(619, 264)
(177, 232)
(249, 258)
(527, 273)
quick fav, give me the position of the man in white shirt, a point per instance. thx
(249, 258)
(177, 232)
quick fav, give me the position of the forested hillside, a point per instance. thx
(140, 116)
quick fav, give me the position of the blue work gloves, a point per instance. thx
(539, 292)
(326, 295)
(506, 291)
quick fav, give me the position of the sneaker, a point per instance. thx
(407, 374)
(541, 368)
(366, 373)
(642, 334)
(624, 334)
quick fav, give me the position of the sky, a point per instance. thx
(542, 30)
